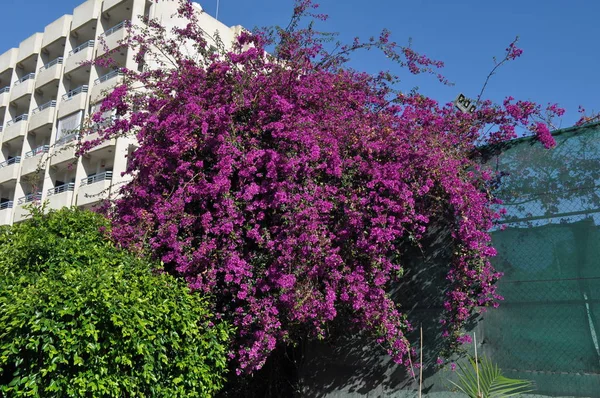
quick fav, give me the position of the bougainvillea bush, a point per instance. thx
(284, 183)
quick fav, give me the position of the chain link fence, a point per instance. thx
(548, 327)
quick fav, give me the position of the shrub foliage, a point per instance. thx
(80, 318)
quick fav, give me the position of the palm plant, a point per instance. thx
(483, 379)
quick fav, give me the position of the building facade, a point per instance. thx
(48, 88)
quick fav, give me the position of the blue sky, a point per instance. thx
(560, 40)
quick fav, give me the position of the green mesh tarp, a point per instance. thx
(548, 327)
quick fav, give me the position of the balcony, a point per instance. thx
(4, 96)
(21, 212)
(49, 72)
(42, 115)
(113, 37)
(85, 13)
(104, 85)
(101, 145)
(16, 127)
(23, 86)
(6, 212)
(61, 196)
(34, 160)
(73, 101)
(30, 46)
(32, 197)
(56, 30)
(78, 55)
(108, 4)
(64, 149)
(9, 169)
(94, 188)
(8, 59)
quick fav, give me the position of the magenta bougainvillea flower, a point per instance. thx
(283, 183)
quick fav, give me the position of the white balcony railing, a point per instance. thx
(37, 151)
(17, 119)
(49, 104)
(32, 197)
(15, 160)
(4, 89)
(107, 175)
(89, 43)
(62, 188)
(50, 64)
(66, 139)
(74, 92)
(115, 28)
(108, 76)
(25, 78)
(6, 205)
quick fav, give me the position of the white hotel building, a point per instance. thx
(46, 92)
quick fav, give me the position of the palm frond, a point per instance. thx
(492, 384)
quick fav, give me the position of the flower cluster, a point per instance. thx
(513, 52)
(543, 134)
(285, 185)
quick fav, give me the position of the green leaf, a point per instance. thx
(490, 383)
(87, 318)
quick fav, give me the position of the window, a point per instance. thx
(68, 126)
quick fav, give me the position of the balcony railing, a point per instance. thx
(49, 104)
(17, 119)
(73, 93)
(108, 76)
(37, 151)
(50, 64)
(4, 89)
(6, 205)
(32, 197)
(66, 139)
(115, 28)
(89, 43)
(25, 78)
(1, 128)
(107, 175)
(15, 160)
(62, 188)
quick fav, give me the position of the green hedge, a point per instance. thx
(79, 317)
